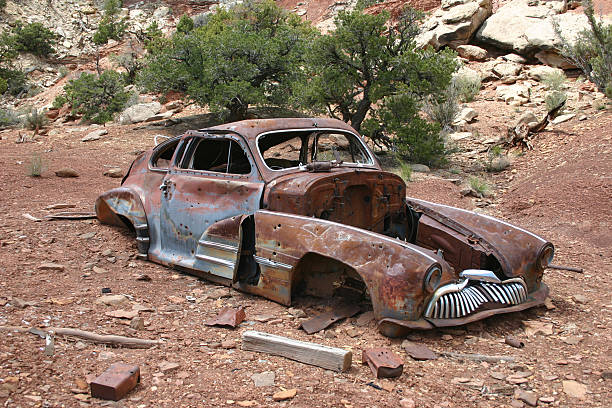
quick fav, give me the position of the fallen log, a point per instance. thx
(113, 340)
(522, 135)
(477, 357)
(318, 355)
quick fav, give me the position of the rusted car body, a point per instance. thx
(278, 207)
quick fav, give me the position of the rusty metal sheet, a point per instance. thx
(383, 362)
(228, 316)
(116, 382)
(419, 352)
(325, 320)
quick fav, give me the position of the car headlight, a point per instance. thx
(546, 256)
(432, 278)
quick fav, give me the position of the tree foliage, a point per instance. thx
(11, 80)
(367, 67)
(34, 38)
(247, 55)
(592, 50)
(95, 97)
(111, 27)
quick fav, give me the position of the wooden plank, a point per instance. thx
(318, 355)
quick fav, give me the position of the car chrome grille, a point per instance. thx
(455, 301)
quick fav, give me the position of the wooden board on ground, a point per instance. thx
(327, 357)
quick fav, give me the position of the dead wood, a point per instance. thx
(113, 340)
(565, 268)
(477, 357)
(522, 135)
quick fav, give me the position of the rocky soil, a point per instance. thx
(53, 273)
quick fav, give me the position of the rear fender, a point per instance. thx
(123, 208)
(392, 270)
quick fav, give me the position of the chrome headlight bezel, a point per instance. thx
(433, 276)
(546, 256)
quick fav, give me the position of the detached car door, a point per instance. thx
(214, 180)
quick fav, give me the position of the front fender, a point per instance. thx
(122, 204)
(392, 270)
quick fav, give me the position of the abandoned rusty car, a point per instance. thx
(281, 207)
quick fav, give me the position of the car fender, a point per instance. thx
(392, 270)
(122, 207)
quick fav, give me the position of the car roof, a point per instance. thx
(251, 128)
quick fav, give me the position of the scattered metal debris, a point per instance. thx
(228, 317)
(566, 268)
(383, 363)
(65, 215)
(116, 382)
(514, 342)
(418, 352)
(325, 320)
(477, 357)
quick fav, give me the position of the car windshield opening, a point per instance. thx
(220, 156)
(289, 149)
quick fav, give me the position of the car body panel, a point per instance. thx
(317, 228)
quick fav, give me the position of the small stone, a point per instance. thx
(219, 293)
(284, 395)
(87, 235)
(472, 52)
(498, 375)
(447, 337)
(167, 366)
(581, 299)
(460, 135)
(407, 403)
(249, 403)
(66, 173)
(122, 314)
(420, 168)
(606, 375)
(516, 404)
(529, 397)
(265, 379)
(114, 172)
(95, 135)
(143, 277)
(562, 118)
(547, 400)
(20, 303)
(112, 300)
(228, 344)
(49, 266)
(106, 355)
(97, 269)
(137, 323)
(295, 312)
(575, 389)
(548, 303)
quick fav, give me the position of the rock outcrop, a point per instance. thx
(454, 24)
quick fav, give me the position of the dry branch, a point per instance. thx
(477, 357)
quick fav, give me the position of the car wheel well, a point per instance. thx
(128, 224)
(324, 277)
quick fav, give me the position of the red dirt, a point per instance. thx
(567, 177)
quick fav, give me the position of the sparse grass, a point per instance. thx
(479, 186)
(36, 166)
(454, 170)
(405, 171)
(63, 71)
(444, 111)
(554, 99)
(554, 81)
(497, 164)
(467, 87)
(35, 120)
(8, 117)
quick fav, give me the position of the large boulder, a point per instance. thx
(527, 27)
(139, 112)
(514, 95)
(454, 24)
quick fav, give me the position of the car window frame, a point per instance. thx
(190, 147)
(372, 163)
(162, 146)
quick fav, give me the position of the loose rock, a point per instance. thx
(66, 173)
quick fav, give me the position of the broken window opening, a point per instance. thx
(161, 158)
(219, 156)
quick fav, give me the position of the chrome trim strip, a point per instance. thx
(273, 264)
(142, 239)
(480, 275)
(218, 245)
(218, 261)
(141, 226)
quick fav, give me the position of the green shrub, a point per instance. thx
(35, 120)
(467, 87)
(110, 27)
(185, 24)
(2, 4)
(34, 38)
(16, 82)
(554, 99)
(444, 108)
(405, 170)
(554, 81)
(592, 50)
(479, 186)
(8, 117)
(97, 98)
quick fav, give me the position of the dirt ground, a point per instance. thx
(561, 190)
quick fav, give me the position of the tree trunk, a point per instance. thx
(237, 110)
(360, 113)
